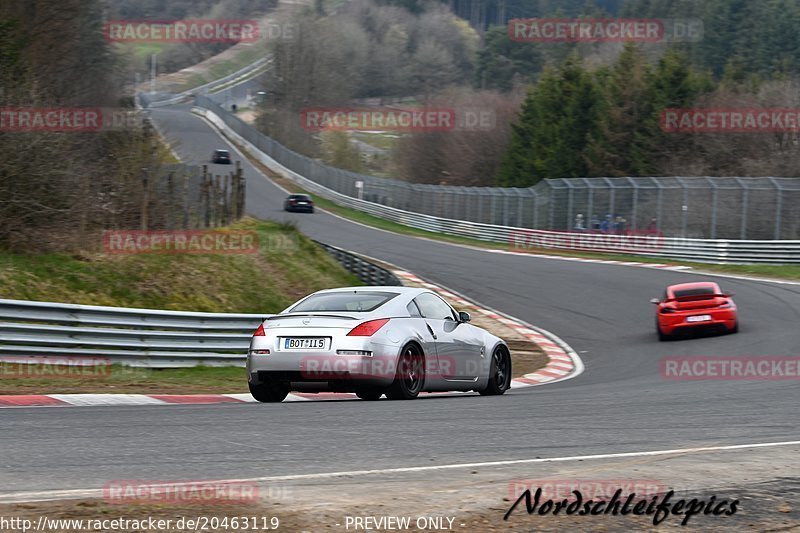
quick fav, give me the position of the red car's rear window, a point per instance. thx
(699, 292)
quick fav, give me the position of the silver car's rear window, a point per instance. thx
(354, 302)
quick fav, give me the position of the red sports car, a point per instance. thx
(694, 305)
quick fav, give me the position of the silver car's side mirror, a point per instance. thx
(655, 301)
(463, 316)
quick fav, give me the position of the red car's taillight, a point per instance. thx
(368, 328)
(260, 332)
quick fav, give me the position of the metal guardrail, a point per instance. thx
(152, 338)
(135, 337)
(369, 273)
(279, 159)
(243, 73)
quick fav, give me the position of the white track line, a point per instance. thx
(16, 497)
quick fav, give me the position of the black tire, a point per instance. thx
(499, 373)
(369, 395)
(269, 392)
(312, 211)
(662, 337)
(735, 328)
(410, 374)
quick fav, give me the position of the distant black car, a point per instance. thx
(222, 157)
(299, 202)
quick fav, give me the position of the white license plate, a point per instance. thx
(698, 318)
(305, 343)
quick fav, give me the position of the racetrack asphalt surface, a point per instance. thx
(619, 404)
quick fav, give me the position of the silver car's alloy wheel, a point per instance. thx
(499, 373)
(410, 375)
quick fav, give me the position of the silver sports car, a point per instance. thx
(397, 341)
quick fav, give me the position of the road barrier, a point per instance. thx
(283, 161)
(369, 273)
(166, 99)
(30, 331)
(135, 337)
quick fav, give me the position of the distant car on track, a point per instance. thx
(299, 202)
(222, 157)
(397, 341)
(689, 306)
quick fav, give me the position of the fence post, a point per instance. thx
(206, 198)
(171, 194)
(684, 209)
(242, 192)
(778, 207)
(217, 200)
(714, 200)
(634, 211)
(185, 201)
(226, 205)
(145, 198)
(745, 208)
(233, 194)
(570, 205)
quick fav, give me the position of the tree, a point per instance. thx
(501, 61)
(625, 144)
(559, 119)
(338, 151)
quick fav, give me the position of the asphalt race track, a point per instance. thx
(619, 404)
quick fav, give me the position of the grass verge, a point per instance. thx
(286, 266)
(118, 379)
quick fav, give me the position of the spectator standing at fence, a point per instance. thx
(652, 227)
(579, 224)
(620, 225)
(605, 225)
(595, 223)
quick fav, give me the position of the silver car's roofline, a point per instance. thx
(398, 289)
(327, 315)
